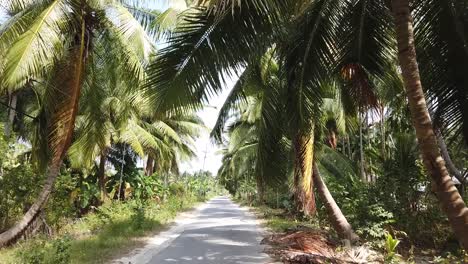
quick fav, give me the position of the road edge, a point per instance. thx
(158, 242)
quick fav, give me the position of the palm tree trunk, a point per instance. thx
(149, 166)
(102, 176)
(382, 131)
(61, 127)
(348, 141)
(332, 139)
(448, 161)
(303, 183)
(338, 220)
(451, 201)
(361, 149)
(260, 189)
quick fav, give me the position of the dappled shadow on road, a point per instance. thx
(222, 234)
(227, 244)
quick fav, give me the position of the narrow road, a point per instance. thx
(221, 233)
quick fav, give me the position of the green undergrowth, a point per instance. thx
(110, 231)
(279, 219)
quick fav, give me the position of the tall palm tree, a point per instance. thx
(258, 133)
(452, 202)
(52, 42)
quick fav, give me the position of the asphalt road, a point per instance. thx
(222, 233)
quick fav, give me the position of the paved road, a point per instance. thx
(222, 233)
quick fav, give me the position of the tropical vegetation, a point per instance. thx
(349, 113)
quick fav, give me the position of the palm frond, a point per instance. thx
(206, 49)
(441, 36)
(29, 54)
(235, 97)
(164, 130)
(310, 53)
(131, 32)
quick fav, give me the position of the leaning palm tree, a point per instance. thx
(241, 157)
(52, 42)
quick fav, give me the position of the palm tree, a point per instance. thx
(452, 202)
(239, 34)
(116, 113)
(52, 42)
(257, 133)
(111, 115)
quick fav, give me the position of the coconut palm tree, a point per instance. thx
(256, 98)
(241, 158)
(114, 112)
(111, 115)
(452, 202)
(361, 50)
(53, 42)
(259, 146)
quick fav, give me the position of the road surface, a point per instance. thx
(220, 233)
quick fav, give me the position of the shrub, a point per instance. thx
(32, 252)
(177, 189)
(138, 217)
(61, 250)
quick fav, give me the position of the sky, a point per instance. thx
(204, 144)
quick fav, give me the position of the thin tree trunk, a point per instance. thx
(61, 127)
(350, 153)
(343, 149)
(337, 218)
(260, 189)
(303, 183)
(368, 163)
(102, 178)
(332, 139)
(361, 149)
(12, 102)
(119, 193)
(149, 166)
(448, 161)
(451, 201)
(382, 131)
